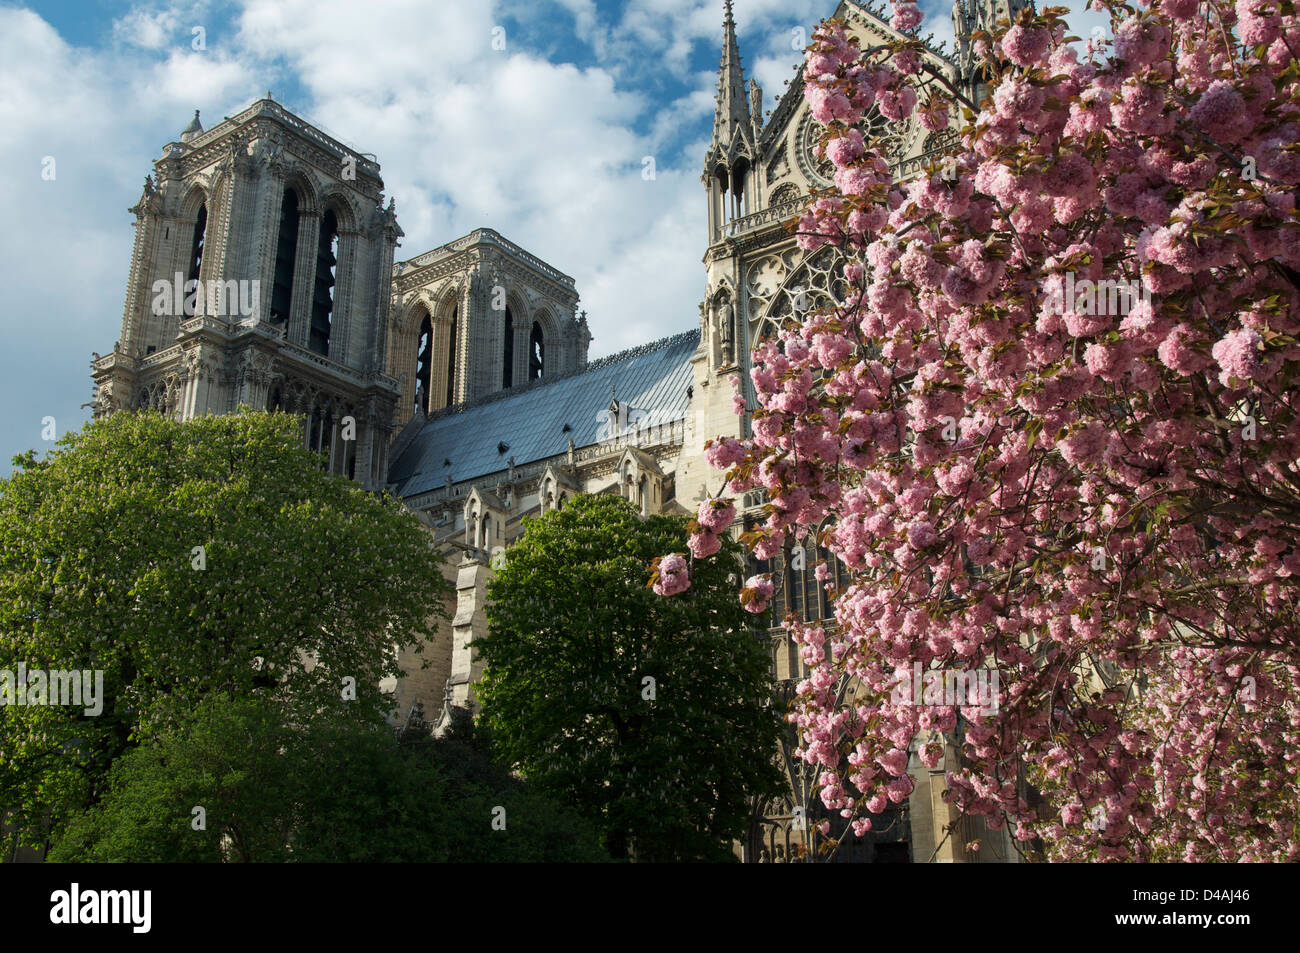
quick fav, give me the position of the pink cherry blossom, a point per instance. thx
(674, 576)
(1098, 498)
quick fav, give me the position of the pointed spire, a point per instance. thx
(732, 113)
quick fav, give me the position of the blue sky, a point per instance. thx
(543, 141)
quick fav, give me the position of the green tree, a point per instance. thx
(654, 716)
(183, 559)
(334, 790)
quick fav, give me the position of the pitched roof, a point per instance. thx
(529, 422)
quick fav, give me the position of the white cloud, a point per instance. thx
(149, 30)
(102, 117)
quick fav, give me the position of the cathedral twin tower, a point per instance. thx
(263, 275)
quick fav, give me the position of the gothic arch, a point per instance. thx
(724, 285)
(518, 306)
(449, 335)
(546, 317)
(543, 320)
(307, 190)
(196, 212)
(511, 320)
(407, 317)
(197, 196)
(814, 283)
(337, 200)
(741, 179)
(785, 192)
(445, 300)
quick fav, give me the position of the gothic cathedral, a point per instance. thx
(263, 275)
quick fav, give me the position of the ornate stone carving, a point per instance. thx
(150, 200)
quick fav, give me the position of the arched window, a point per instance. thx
(487, 531)
(738, 176)
(536, 352)
(286, 250)
(196, 246)
(322, 298)
(644, 491)
(451, 360)
(424, 363)
(508, 353)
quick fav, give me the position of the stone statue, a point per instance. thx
(150, 199)
(756, 102)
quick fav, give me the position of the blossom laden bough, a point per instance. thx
(1100, 504)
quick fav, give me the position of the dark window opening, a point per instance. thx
(322, 300)
(508, 355)
(424, 364)
(286, 248)
(536, 353)
(451, 360)
(196, 247)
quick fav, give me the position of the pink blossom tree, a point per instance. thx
(1051, 431)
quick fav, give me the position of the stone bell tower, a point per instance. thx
(261, 277)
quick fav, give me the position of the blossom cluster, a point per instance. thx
(1105, 508)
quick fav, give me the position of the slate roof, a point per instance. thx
(529, 421)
